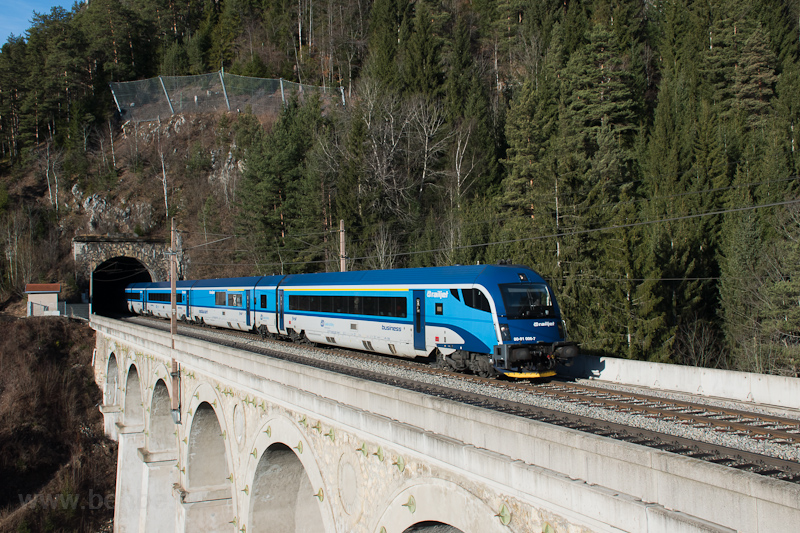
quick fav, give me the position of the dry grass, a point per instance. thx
(51, 432)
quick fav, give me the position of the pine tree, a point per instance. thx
(386, 19)
(754, 79)
(466, 99)
(280, 198)
(787, 108)
(12, 69)
(421, 72)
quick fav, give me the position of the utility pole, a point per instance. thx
(173, 271)
(343, 256)
(173, 321)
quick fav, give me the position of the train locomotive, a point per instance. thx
(487, 319)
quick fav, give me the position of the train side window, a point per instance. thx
(298, 303)
(454, 292)
(235, 300)
(370, 306)
(482, 302)
(400, 305)
(326, 304)
(220, 298)
(439, 308)
(263, 301)
(340, 304)
(468, 297)
(476, 299)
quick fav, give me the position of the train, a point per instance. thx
(486, 319)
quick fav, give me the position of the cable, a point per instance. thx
(525, 239)
(595, 230)
(207, 243)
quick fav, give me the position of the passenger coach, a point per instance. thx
(487, 318)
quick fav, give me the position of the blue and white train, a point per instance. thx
(487, 319)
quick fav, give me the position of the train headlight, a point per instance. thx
(505, 334)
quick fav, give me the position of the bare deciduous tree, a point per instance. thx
(429, 140)
(697, 344)
(387, 126)
(385, 248)
(460, 178)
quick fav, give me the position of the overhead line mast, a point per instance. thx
(173, 322)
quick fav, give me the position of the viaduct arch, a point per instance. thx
(245, 464)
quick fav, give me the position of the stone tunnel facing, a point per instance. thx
(109, 280)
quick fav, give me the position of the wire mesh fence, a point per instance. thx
(157, 98)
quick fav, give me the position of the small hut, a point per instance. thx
(42, 298)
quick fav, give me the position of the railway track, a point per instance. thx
(780, 430)
(695, 414)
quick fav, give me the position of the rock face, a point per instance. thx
(124, 218)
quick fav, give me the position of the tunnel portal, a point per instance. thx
(109, 280)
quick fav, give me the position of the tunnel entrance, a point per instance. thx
(109, 280)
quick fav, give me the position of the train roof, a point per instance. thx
(183, 284)
(239, 283)
(452, 275)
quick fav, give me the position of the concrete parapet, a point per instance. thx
(764, 389)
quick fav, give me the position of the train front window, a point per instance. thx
(527, 300)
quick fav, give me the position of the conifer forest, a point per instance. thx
(641, 155)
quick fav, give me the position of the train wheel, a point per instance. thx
(299, 338)
(481, 365)
(438, 360)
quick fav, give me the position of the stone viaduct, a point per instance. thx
(267, 445)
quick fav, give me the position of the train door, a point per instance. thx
(186, 301)
(419, 320)
(280, 310)
(247, 306)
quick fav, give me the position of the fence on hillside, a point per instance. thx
(161, 97)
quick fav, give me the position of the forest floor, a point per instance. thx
(57, 467)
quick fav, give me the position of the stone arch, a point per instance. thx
(439, 504)
(281, 499)
(111, 391)
(208, 497)
(432, 527)
(207, 453)
(91, 250)
(133, 409)
(287, 461)
(161, 432)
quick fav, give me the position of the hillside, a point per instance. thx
(641, 156)
(57, 467)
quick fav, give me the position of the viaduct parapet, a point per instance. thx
(268, 445)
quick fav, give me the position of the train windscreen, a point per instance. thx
(527, 300)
